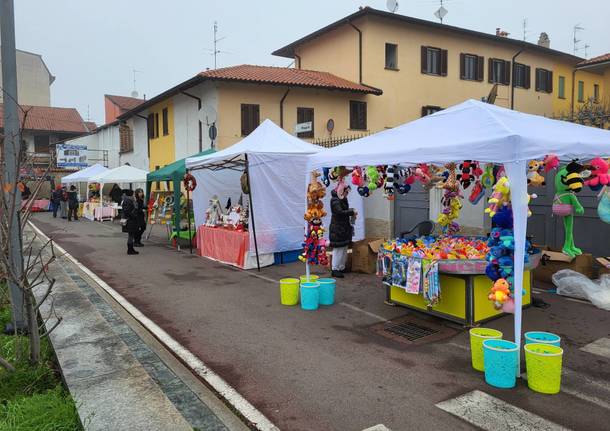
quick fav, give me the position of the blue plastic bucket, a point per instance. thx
(540, 337)
(327, 291)
(310, 295)
(501, 363)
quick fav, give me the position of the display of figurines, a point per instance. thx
(213, 215)
(314, 245)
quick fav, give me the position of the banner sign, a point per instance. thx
(71, 156)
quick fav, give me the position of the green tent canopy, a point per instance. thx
(173, 172)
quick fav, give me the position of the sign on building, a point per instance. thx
(71, 156)
(303, 127)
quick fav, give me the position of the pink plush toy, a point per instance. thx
(357, 177)
(599, 173)
(551, 161)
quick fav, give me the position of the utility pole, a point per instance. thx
(10, 151)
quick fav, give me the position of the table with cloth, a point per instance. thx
(228, 246)
(38, 205)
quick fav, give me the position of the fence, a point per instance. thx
(334, 141)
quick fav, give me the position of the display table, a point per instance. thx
(104, 213)
(37, 206)
(88, 210)
(229, 246)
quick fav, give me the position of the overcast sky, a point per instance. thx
(92, 46)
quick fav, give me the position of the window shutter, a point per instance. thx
(537, 79)
(257, 117)
(549, 86)
(363, 114)
(463, 66)
(424, 59)
(528, 72)
(443, 62)
(424, 111)
(244, 120)
(507, 72)
(480, 68)
(490, 73)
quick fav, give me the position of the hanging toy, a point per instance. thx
(534, 178)
(357, 177)
(388, 186)
(451, 183)
(500, 293)
(372, 177)
(487, 178)
(364, 191)
(466, 176)
(422, 174)
(314, 246)
(551, 161)
(477, 193)
(325, 176)
(568, 181)
(599, 174)
(500, 196)
(382, 175)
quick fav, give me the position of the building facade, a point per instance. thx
(33, 80)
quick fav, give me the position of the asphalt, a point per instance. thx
(329, 370)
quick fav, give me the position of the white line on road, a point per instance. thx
(599, 347)
(247, 410)
(372, 315)
(379, 427)
(492, 414)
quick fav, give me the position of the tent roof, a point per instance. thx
(84, 174)
(470, 130)
(267, 138)
(175, 170)
(122, 174)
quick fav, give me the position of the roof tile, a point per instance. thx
(51, 119)
(599, 59)
(123, 102)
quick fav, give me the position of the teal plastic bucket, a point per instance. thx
(540, 337)
(327, 291)
(501, 363)
(310, 295)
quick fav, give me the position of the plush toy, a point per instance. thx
(568, 181)
(388, 186)
(500, 293)
(500, 196)
(338, 173)
(364, 191)
(314, 246)
(487, 177)
(325, 176)
(372, 176)
(551, 161)
(533, 173)
(422, 173)
(466, 176)
(382, 175)
(357, 177)
(599, 174)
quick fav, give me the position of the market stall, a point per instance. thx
(102, 208)
(266, 172)
(500, 139)
(169, 211)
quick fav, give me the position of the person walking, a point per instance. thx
(56, 199)
(141, 211)
(131, 222)
(72, 204)
(340, 230)
(116, 194)
(63, 203)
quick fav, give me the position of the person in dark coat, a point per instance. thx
(131, 224)
(63, 203)
(141, 211)
(72, 204)
(56, 200)
(116, 194)
(341, 229)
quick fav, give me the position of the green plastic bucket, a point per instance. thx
(477, 336)
(312, 278)
(543, 365)
(289, 291)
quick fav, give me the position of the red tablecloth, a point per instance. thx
(37, 206)
(227, 246)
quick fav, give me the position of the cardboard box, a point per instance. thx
(554, 260)
(364, 255)
(604, 265)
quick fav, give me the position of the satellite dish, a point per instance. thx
(392, 5)
(134, 93)
(208, 115)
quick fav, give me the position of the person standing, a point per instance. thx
(63, 203)
(340, 230)
(141, 212)
(131, 222)
(72, 203)
(56, 200)
(116, 194)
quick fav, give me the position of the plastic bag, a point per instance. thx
(603, 208)
(577, 285)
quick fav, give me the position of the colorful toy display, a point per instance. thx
(314, 245)
(568, 182)
(500, 196)
(600, 176)
(440, 248)
(534, 178)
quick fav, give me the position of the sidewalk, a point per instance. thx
(115, 377)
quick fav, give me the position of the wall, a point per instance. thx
(111, 110)
(137, 158)
(162, 148)
(33, 80)
(108, 139)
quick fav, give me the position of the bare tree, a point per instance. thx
(594, 113)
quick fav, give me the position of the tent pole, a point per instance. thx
(188, 217)
(258, 263)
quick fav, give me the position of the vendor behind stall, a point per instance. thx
(341, 228)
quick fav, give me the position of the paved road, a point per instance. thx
(327, 370)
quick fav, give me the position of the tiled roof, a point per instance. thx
(286, 76)
(124, 103)
(51, 119)
(595, 60)
(90, 125)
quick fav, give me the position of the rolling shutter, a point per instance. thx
(549, 82)
(480, 68)
(506, 77)
(443, 62)
(528, 79)
(490, 70)
(463, 66)
(424, 59)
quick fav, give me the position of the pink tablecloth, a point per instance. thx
(227, 246)
(101, 213)
(37, 205)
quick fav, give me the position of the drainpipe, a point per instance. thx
(512, 80)
(573, 89)
(198, 99)
(359, 50)
(282, 106)
(298, 57)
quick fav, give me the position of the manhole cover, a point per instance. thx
(411, 331)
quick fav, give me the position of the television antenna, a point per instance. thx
(441, 12)
(524, 29)
(217, 39)
(577, 28)
(392, 5)
(134, 92)
(587, 46)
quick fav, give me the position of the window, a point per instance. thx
(153, 132)
(305, 115)
(41, 144)
(165, 122)
(200, 136)
(250, 118)
(521, 76)
(471, 67)
(499, 71)
(544, 80)
(125, 138)
(391, 56)
(428, 109)
(562, 87)
(433, 61)
(581, 91)
(357, 115)
(596, 92)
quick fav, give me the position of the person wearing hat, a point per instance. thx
(341, 229)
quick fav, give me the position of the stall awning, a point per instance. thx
(83, 175)
(122, 174)
(173, 171)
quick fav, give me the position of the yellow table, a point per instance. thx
(463, 298)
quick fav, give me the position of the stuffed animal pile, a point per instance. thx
(314, 245)
(440, 248)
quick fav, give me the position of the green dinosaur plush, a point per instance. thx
(567, 182)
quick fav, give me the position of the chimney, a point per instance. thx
(544, 40)
(501, 33)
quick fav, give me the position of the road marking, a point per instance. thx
(372, 315)
(582, 301)
(599, 347)
(247, 410)
(379, 427)
(492, 414)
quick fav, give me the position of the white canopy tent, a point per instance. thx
(83, 175)
(484, 132)
(277, 166)
(123, 174)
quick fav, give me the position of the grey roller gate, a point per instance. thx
(411, 208)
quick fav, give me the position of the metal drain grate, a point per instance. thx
(411, 331)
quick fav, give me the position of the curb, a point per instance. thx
(226, 391)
